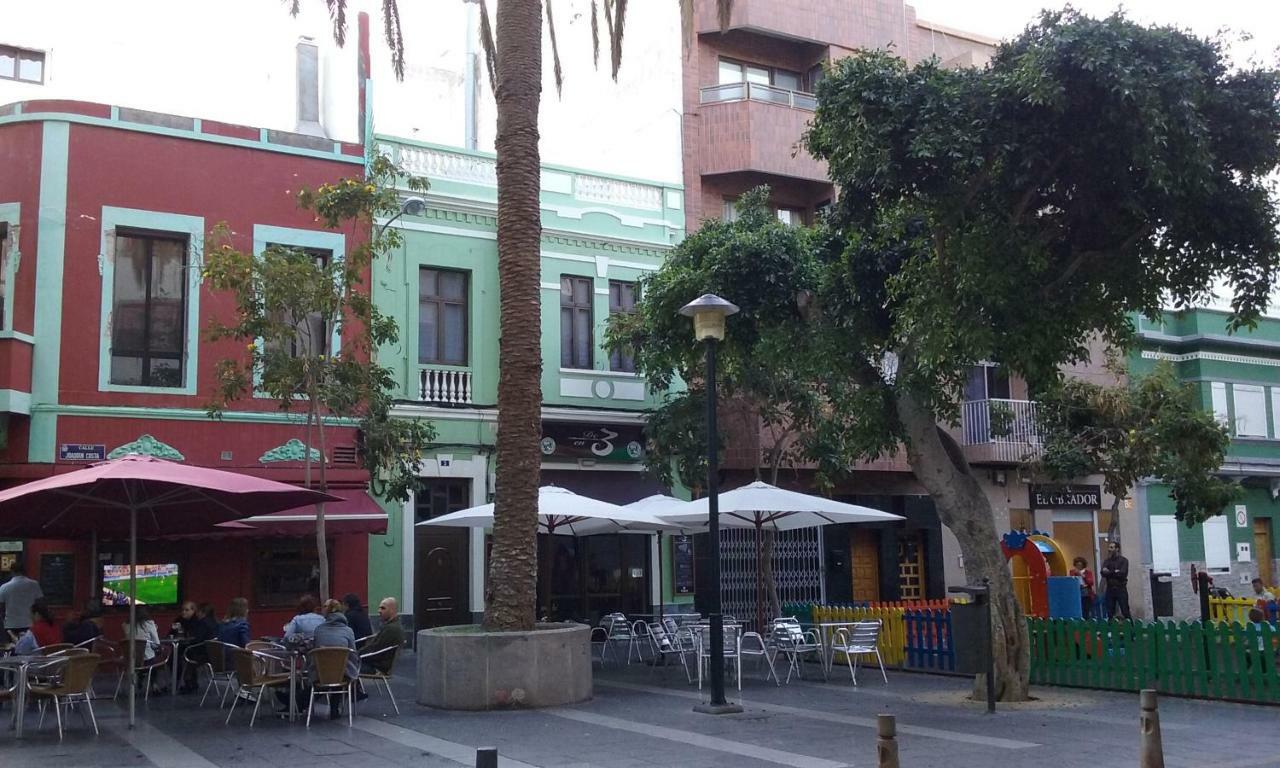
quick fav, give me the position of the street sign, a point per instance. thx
(1066, 496)
(82, 452)
(1242, 516)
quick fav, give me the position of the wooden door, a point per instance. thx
(440, 577)
(864, 555)
(1262, 551)
(1077, 540)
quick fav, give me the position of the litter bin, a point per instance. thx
(968, 637)
(1162, 595)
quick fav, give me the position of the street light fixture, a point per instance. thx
(413, 205)
(708, 312)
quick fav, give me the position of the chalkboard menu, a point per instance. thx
(58, 577)
(682, 564)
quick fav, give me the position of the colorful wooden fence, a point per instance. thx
(915, 635)
(1236, 609)
(1220, 661)
(928, 639)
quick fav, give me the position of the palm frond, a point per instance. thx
(555, 51)
(724, 10)
(486, 43)
(391, 28)
(615, 35)
(338, 14)
(294, 7)
(595, 34)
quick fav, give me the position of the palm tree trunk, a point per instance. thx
(513, 564)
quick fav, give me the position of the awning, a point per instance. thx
(356, 513)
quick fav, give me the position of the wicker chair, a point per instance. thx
(71, 686)
(52, 648)
(212, 658)
(251, 675)
(146, 667)
(330, 679)
(388, 655)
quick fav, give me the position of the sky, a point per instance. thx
(1006, 18)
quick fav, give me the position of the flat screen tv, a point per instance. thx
(157, 584)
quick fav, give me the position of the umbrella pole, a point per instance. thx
(760, 579)
(662, 585)
(93, 561)
(133, 611)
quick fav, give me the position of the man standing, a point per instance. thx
(1115, 573)
(16, 595)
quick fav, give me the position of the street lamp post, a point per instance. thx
(708, 313)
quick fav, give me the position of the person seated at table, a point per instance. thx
(203, 629)
(303, 625)
(357, 616)
(333, 632)
(86, 626)
(145, 629)
(235, 630)
(43, 626)
(390, 635)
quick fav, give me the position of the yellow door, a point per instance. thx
(864, 553)
(1262, 551)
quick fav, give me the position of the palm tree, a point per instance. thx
(514, 59)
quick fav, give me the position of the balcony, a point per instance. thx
(15, 372)
(824, 22)
(749, 127)
(444, 386)
(999, 431)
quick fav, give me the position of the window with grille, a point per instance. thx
(149, 309)
(622, 301)
(440, 496)
(575, 322)
(442, 316)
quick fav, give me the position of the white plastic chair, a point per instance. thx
(862, 639)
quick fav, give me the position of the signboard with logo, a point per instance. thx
(682, 578)
(1066, 496)
(82, 452)
(600, 442)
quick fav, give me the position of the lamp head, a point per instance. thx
(708, 312)
(414, 206)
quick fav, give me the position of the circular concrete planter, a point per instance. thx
(464, 667)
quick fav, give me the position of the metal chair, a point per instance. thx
(70, 686)
(253, 680)
(600, 640)
(52, 648)
(793, 641)
(753, 644)
(732, 645)
(146, 667)
(389, 655)
(221, 674)
(862, 639)
(664, 644)
(620, 630)
(330, 667)
(112, 660)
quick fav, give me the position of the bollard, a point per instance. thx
(1151, 753)
(487, 757)
(887, 744)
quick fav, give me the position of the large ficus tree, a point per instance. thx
(513, 54)
(1096, 168)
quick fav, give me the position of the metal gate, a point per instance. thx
(797, 568)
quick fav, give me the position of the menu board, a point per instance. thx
(58, 577)
(682, 564)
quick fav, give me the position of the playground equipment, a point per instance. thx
(1041, 579)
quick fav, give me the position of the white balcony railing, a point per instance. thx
(444, 385)
(758, 92)
(1008, 427)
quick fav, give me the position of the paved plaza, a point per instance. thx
(641, 717)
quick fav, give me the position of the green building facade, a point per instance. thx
(1237, 377)
(601, 233)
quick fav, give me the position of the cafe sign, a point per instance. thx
(1066, 496)
(601, 442)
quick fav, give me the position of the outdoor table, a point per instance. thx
(292, 657)
(175, 659)
(19, 665)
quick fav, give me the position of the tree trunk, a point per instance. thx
(964, 508)
(513, 566)
(322, 550)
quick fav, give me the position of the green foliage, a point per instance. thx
(291, 303)
(1153, 427)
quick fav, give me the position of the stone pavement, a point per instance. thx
(643, 717)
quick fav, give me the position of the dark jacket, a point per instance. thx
(334, 633)
(390, 635)
(234, 631)
(358, 620)
(1115, 570)
(203, 629)
(79, 631)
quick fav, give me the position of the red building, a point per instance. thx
(103, 216)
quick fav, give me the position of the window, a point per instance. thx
(442, 317)
(792, 217)
(1164, 544)
(284, 569)
(575, 322)
(730, 213)
(4, 267)
(622, 301)
(440, 496)
(21, 64)
(987, 382)
(1251, 410)
(148, 315)
(740, 72)
(1218, 392)
(312, 335)
(1217, 544)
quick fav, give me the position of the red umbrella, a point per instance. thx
(142, 495)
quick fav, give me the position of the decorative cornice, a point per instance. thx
(147, 445)
(1220, 357)
(294, 450)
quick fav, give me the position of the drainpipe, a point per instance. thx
(471, 76)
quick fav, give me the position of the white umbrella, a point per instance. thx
(565, 513)
(659, 505)
(759, 505)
